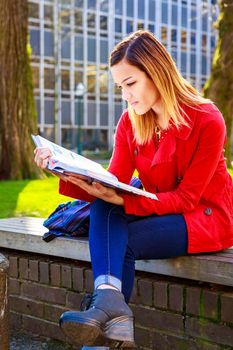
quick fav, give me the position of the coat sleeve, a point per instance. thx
(196, 179)
(71, 190)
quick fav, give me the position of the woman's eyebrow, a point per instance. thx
(126, 79)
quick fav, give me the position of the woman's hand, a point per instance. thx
(42, 155)
(97, 190)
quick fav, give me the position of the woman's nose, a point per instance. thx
(126, 95)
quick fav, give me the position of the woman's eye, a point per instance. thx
(130, 84)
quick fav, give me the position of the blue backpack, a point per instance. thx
(71, 219)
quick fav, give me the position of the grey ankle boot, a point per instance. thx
(108, 322)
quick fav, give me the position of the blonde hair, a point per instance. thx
(143, 50)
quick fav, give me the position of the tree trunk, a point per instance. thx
(17, 107)
(219, 87)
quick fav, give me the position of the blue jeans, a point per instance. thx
(117, 240)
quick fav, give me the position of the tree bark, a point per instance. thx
(219, 87)
(17, 107)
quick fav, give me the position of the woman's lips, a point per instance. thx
(133, 104)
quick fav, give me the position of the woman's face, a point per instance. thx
(137, 89)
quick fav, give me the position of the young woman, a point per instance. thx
(175, 139)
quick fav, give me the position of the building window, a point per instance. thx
(33, 10)
(65, 48)
(130, 8)
(91, 4)
(79, 3)
(184, 17)
(183, 62)
(91, 20)
(79, 47)
(118, 7)
(164, 12)
(151, 10)
(193, 64)
(35, 41)
(174, 14)
(65, 112)
(49, 78)
(78, 18)
(193, 19)
(91, 81)
(104, 5)
(103, 114)
(174, 35)
(103, 51)
(164, 35)
(48, 44)
(48, 13)
(49, 111)
(118, 25)
(91, 113)
(65, 80)
(193, 39)
(141, 9)
(103, 22)
(151, 28)
(204, 65)
(129, 26)
(91, 49)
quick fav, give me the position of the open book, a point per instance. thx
(67, 162)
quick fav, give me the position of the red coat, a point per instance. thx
(187, 172)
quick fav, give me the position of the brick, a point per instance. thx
(162, 341)
(53, 312)
(66, 276)
(42, 328)
(193, 297)
(44, 272)
(210, 304)
(55, 271)
(145, 288)
(44, 293)
(209, 331)
(23, 268)
(176, 297)
(78, 279)
(160, 294)
(89, 282)
(158, 319)
(15, 320)
(26, 306)
(14, 286)
(227, 308)
(34, 270)
(13, 268)
(142, 337)
(73, 300)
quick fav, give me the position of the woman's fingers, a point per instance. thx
(42, 156)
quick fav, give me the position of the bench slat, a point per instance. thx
(25, 234)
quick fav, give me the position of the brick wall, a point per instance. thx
(170, 313)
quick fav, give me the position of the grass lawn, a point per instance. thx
(31, 197)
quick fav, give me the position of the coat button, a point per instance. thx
(208, 211)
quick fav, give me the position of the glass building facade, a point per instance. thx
(71, 40)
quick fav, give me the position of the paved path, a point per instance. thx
(22, 341)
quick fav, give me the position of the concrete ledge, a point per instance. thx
(25, 234)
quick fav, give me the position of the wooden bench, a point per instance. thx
(25, 234)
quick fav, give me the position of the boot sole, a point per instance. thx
(117, 333)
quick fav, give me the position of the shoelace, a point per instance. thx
(87, 301)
